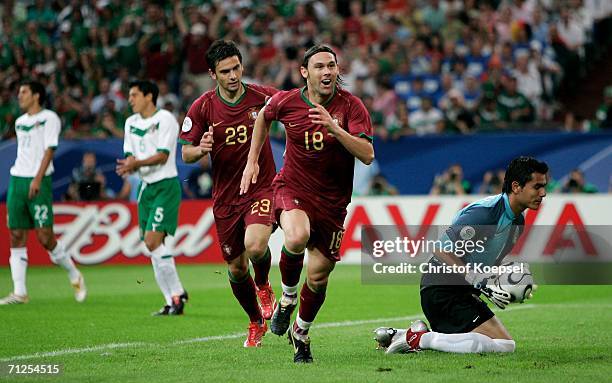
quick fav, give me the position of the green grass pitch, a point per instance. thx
(563, 334)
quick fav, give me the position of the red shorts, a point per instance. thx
(326, 223)
(232, 220)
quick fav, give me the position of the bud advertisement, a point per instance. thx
(107, 232)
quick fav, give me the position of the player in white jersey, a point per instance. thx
(149, 147)
(30, 198)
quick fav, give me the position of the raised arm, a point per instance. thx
(261, 130)
(359, 147)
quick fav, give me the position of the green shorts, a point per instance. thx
(158, 206)
(25, 213)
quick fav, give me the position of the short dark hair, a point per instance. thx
(220, 50)
(146, 87)
(37, 88)
(520, 170)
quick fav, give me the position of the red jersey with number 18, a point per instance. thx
(316, 164)
(232, 125)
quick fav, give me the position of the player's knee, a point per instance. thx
(18, 238)
(152, 243)
(255, 248)
(317, 284)
(296, 239)
(46, 239)
(238, 269)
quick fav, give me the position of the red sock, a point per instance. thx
(261, 267)
(310, 303)
(290, 267)
(244, 291)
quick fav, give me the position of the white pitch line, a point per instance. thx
(68, 351)
(113, 346)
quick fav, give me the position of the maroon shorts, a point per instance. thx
(326, 223)
(232, 220)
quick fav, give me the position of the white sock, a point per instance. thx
(289, 290)
(19, 264)
(302, 324)
(166, 269)
(471, 342)
(161, 282)
(59, 256)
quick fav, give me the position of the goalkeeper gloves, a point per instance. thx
(496, 295)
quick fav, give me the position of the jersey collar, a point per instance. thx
(307, 101)
(242, 96)
(151, 116)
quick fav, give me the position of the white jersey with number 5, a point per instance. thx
(35, 134)
(144, 137)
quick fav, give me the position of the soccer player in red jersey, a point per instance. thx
(326, 128)
(220, 122)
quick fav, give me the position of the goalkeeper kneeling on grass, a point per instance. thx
(460, 320)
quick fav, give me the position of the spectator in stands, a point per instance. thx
(88, 183)
(492, 182)
(451, 182)
(381, 187)
(397, 125)
(199, 182)
(603, 115)
(166, 96)
(9, 111)
(514, 106)
(571, 32)
(426, 119)
(196, 40)
(528, 78)
(105, 94)
(458, 119)
(76, 47)
(472, 93)
(488, 115)
(577, 184)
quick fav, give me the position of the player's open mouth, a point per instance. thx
(326, 83)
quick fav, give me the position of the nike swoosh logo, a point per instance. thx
(292, 125)
(215, 124)
(475, 319)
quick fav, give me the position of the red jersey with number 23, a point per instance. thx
(316, 164)
(232, 125)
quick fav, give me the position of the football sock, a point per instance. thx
(59, 256)
(471, 342)
(300, 326)
(19, 264)
(167, 271)
(310, 303)
(244, 291)
(261, 268)
(289, 291)
(290, 267)
(161, 281)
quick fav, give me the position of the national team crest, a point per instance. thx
(337, 119)
(253, 113)
(227, 249)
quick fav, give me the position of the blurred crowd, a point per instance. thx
(421, 66)
(451, 182)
